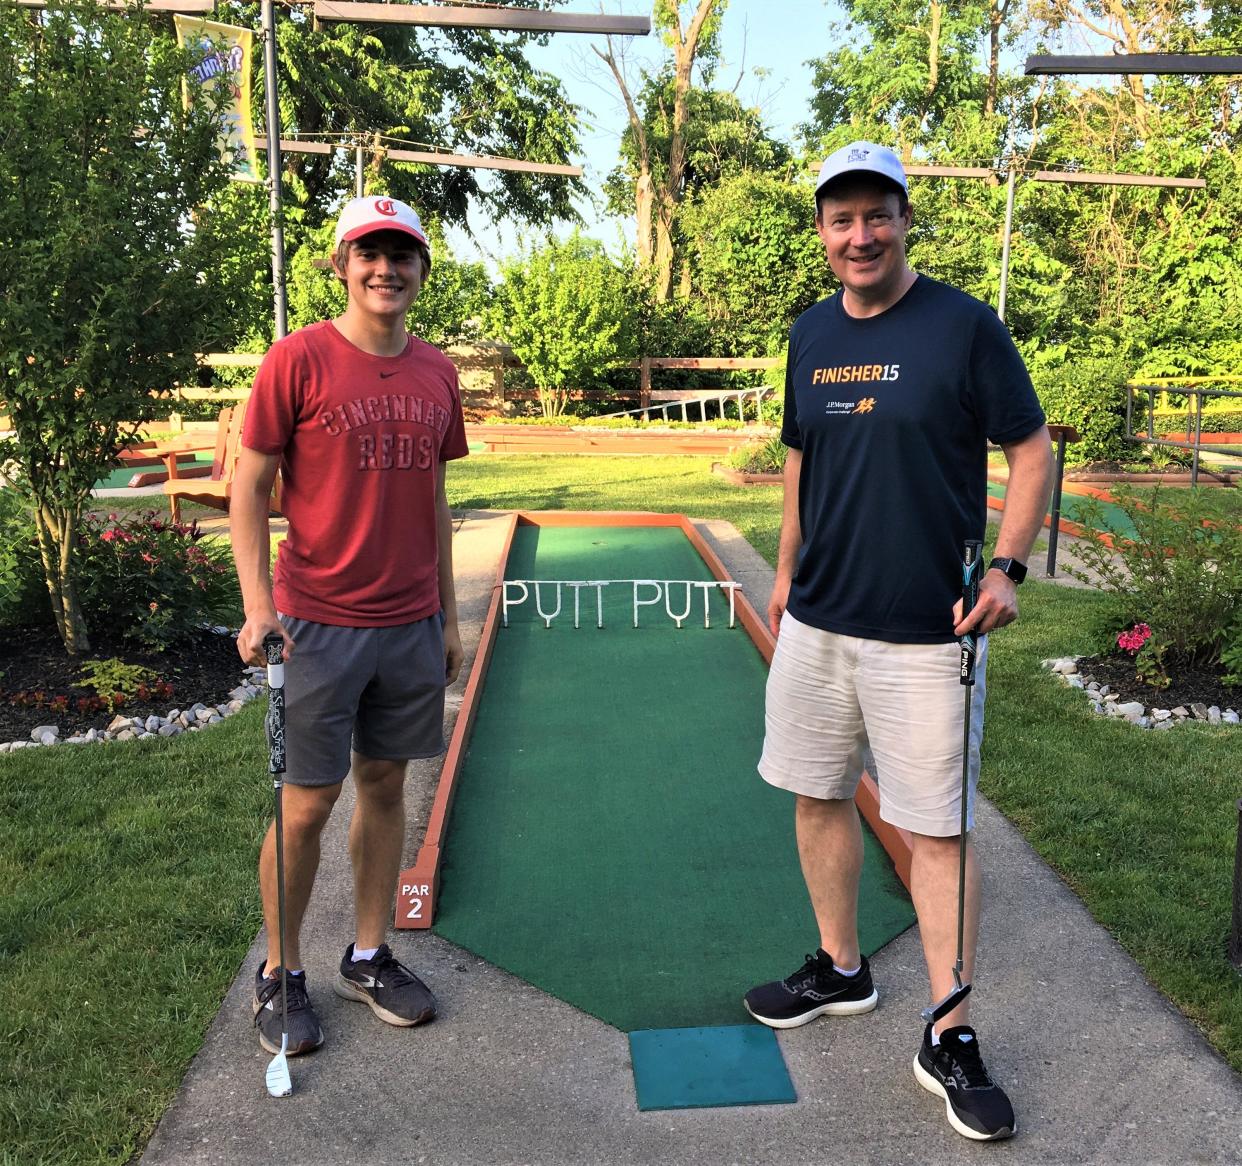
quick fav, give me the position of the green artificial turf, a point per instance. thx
(610, 837)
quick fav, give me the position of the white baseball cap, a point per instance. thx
(862, 158)
(361, 216)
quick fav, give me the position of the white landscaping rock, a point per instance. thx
(39, 731)
(1229, 717)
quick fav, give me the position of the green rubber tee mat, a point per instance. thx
(683, 1068)
(611, 841)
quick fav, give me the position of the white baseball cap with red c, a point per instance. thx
(361, 216)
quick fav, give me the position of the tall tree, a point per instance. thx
(564, 309)
(659, 126)
(103, 252)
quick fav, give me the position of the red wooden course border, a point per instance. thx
(418, 886)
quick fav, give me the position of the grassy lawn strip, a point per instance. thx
(129, 902)
(127, 870)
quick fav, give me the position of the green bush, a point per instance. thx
(766, 457)
(1180, 573)
(1088, 393)
(23, 595)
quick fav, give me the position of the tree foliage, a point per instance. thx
(1106, 282)
(106, 242)
(564, 308)
(756, 260)
(386, 86)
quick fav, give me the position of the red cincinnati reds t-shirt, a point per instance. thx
(362, 438)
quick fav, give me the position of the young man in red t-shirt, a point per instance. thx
(359, 418)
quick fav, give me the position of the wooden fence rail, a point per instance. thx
(496, 361)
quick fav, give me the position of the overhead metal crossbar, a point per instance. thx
(437, 158)
(185, 7)
(493, 17)
(1130, 63)
(1116, 179)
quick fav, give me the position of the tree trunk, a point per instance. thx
(996, 20)
(55, 528)
(644, 199)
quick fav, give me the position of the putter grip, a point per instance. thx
(273, 647)
(971, 558)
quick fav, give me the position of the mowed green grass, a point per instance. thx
(127, 889)
(127, 902)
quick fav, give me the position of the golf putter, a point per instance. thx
(966, 675)
(279, 1083)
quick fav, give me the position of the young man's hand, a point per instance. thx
(254, 631)
(454, 654)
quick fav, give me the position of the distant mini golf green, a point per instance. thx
(118, 478)
(1115, 520)
(611, 841)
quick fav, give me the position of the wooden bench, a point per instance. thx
(217, 489)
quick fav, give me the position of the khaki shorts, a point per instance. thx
(838, 704)
(379, 691)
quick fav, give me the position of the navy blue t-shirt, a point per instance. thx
(892, 414)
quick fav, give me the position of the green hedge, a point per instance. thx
(1177, 421)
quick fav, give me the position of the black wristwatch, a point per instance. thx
(1011, 567)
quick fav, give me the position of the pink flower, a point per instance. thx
(1133, 639)
(108, 535)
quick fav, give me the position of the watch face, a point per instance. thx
(1011, 567)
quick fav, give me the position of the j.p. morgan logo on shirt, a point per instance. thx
(844, 374)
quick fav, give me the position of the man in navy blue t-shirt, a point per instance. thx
(894, 387)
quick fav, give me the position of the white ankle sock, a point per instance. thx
(842, 972)
(364, 953)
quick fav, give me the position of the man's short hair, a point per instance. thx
(849, 184)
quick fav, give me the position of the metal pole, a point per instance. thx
(268, 22)
(1054, 527)
(1197, 397)
(359, 186)
(1004, 278)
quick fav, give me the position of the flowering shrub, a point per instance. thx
(152, 580)
(1178, 568)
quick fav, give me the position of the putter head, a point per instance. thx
(934, 1012)
(279, 1083)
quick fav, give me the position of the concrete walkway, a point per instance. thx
(1101, 1068)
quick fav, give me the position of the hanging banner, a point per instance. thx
(225, 61)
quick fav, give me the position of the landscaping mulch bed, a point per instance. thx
(33, 662)
(1189, 685)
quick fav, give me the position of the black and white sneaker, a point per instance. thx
(815, 989)
(976, 1106)
(304, 1031)
(393, 992)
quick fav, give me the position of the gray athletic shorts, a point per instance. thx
(379, 691)
(838, 704)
